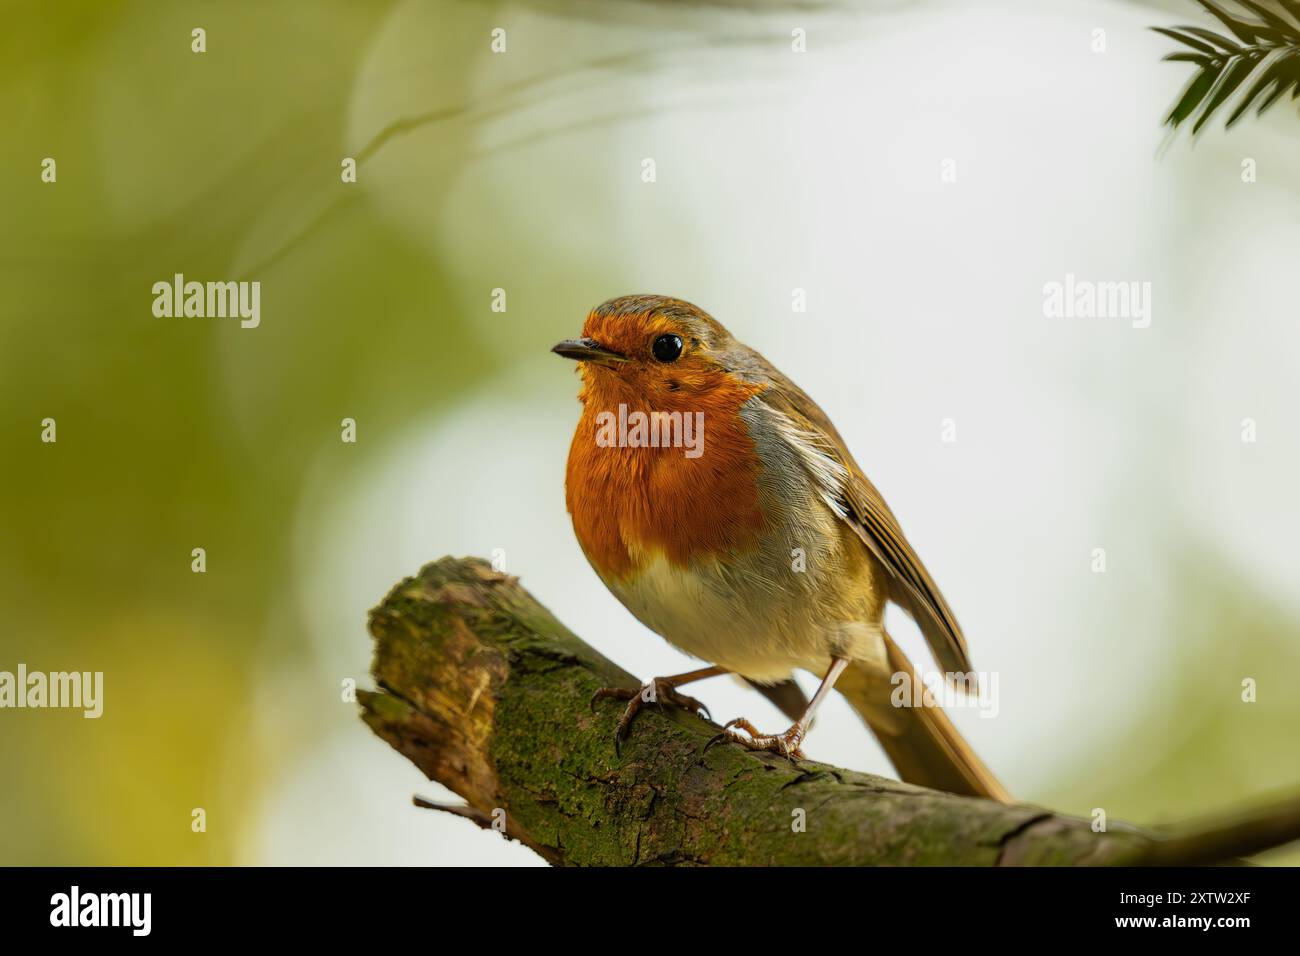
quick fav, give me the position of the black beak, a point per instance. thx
(588, 350)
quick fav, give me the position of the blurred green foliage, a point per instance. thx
(174, 434)
(1199, 749)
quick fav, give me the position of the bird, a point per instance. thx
(719, 504)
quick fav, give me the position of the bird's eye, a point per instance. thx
(667, 348)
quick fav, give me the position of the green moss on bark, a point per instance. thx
(485, 691)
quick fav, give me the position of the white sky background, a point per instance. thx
(822, 171)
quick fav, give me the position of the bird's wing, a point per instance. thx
(855, 499)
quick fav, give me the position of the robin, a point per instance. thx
(720, 505)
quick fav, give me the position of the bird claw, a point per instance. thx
(786, 744)
(656, 691)
(619, 693)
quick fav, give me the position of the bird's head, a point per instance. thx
(650, 350)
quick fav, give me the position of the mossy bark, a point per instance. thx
(487, 693)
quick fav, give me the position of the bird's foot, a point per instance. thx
(786, 744)
(655, 691)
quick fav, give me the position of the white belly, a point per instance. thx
(760, 620)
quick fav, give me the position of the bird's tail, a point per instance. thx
(921, 742)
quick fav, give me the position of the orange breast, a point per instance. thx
(627, 501)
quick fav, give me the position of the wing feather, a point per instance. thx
(849, 493)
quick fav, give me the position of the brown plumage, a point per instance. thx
(700, 548)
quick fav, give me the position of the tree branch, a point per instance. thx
(488, 694)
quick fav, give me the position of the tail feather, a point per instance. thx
(921, 742)
(786, 695)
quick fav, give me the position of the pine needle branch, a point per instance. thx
(1264, 50)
